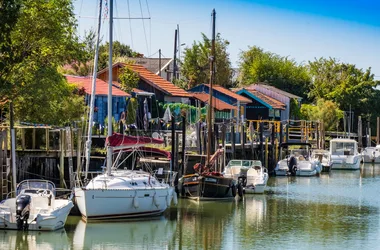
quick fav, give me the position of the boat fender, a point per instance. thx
(155, 200)
(135, 202)
(168, 199)
(233, 189)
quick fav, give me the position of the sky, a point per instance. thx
(347, 30)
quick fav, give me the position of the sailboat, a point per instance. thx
(207, 183)
(120, 193)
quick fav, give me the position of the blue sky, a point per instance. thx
(348, 30)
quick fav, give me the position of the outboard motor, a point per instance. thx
(292, 165)
(22, 211)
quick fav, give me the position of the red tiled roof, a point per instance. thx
(216, 103)
(271, 101)
(101, 86)
(158, 82)
(230, 93)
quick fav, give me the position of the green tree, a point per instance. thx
(325, 111)
(343, 83)
(128, 79)
(42, 38)
(195, 66)
(118, 50)
(257, 65)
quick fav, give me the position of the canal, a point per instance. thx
(337, 210)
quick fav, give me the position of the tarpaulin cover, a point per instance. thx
(116, 140)
(150, 150)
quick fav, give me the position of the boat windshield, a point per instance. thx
(343, 148)
(244, 163)
(35, 185)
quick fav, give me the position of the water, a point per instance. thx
(339, 210)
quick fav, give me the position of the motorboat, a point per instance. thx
(323, 156)
(344, 154)
(34, 208)
(125, 193)
(371, 154)
(250, 173)
(298, 160)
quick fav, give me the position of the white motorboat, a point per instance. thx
(34, 208)
(323, 156)
(298, 161)
(344, 154)
(371, 154)
(123, 193)
(249, 173)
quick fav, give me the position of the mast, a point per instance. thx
(212, 78)
(109, 149)
(175, 56)
(92, 97)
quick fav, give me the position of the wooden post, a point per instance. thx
(216, 136)
(317, 135)
(176, 165)
(287, 131)
(34, 139)
(360, 132)
(266, 153)
(378, 131)
(261, 142)
(233, 141)
(369, 134)
(242, 141)
(223, 146)
(199, 137)
(22, 138)
(79, 153)
(61, 159)
(47, 140)
(276, 153)
(172, 160)
(272, 145)
(183, 169)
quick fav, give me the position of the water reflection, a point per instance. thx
(203, 224)
(145, 234)
(11, 239)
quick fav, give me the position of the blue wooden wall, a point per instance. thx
(101, 102)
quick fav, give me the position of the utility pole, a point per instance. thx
(175, 56)
(159, 62)
(13, 147)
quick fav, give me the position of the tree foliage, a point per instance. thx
(42, 38)
(118, 50)
(343, 83)
(257, 65)
(128, 79)
(196, 68)
(325, 111)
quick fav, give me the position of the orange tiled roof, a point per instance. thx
(230, 93)
(101, 86)
(158, 82)
(271, 101)
(216, 103)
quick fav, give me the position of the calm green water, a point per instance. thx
(339, 210)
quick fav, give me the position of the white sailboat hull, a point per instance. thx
(97, 204)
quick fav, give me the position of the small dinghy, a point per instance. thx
(34, 208)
